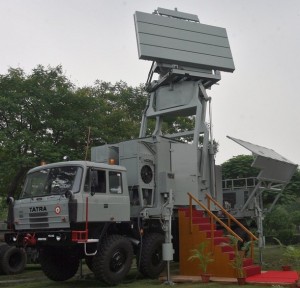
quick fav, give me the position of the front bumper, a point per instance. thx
(25, 238)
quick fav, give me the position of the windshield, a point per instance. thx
(52, 181)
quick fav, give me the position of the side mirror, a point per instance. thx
(10, 200)
(68, 194)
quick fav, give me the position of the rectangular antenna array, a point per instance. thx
(180, 42)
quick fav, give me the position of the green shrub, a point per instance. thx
(286, 236)
(279, 224)
(3, 209)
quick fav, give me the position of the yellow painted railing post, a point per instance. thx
(212, 232)
(191, 215)
(252, 248)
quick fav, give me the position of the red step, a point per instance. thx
(220, 240)
(227, 249)
(200, 220)
(206, 226)
(217, 233)
(230, 254)
(247, 262)
(195, 213)
(252, 270)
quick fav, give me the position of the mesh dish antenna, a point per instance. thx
(177, 38)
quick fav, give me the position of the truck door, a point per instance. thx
(96, 187)
(119, 204)
(107, 200)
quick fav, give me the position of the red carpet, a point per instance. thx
(274, 277)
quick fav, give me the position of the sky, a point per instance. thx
(95, 39)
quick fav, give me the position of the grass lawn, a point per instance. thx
(33, 277)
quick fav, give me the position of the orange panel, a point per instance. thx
(220, 267)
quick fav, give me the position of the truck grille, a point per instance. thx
(38, 220)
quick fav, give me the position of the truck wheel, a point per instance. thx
(13, 260)
(59, 264)
(150, 261)
(113, 261)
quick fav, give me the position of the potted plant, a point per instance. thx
(290, 256)
(204, 257)
(238, 260)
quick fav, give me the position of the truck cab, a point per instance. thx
(62, 197)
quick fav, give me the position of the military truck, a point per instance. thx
(124, 202)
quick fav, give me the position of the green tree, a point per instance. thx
(43, 116)
(119, 111)
(239, 167)
(278, 223)
(294, 186)
(278, 219)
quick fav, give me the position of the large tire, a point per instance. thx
(58, 264)
(149, 260)
(13, 261)
(114, 259)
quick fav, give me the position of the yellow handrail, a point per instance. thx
(215, 218)
(230, 217)
(212, 216)
(252, 236)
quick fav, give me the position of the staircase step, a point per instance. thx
(206, 226)
(247, 262)
(230, 254)
(217, 233)
(195, 213)
(252, 270)
(220, 240)
(227, 249)
(200, 220)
